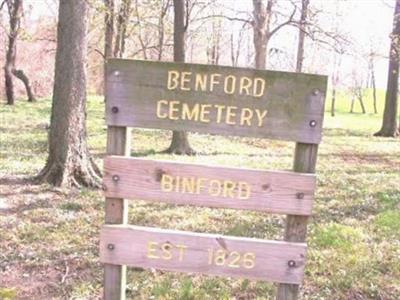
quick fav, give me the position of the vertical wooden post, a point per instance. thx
(118, 143)
(305, 159)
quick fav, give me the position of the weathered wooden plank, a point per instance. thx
(202, 253)
(212, 186)
(305, 160)
(215, 99)
(116, 212)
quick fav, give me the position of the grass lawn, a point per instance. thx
(49, 236)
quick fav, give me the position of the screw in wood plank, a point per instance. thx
(291, 263)
(110, 247)
(115, 178)
(315, 92)
(116, 73)
(313, 123)
(114, 109)
(299, 195)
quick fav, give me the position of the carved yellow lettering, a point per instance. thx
(182, 249)
(173, 110)
(245, 84)
(214, 188)
(229, 84)
(201, 82)
(185, 79)
(246, 116)
(258, 87)
(214, 80)
(172, 82)
(229, 189)
(219, 108)
(151, 249)
(177, 184)
(161, 115)
(200, 184)
(204, 112)
(188, 185)
(190, 114)
(261, 116)
(166, 251)
(243, 190)
(230, 114)
(167, 183)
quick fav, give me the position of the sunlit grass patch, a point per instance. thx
(388, 223)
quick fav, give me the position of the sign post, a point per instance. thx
(216, 100)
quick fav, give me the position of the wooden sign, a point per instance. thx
(215, 99)
(211, 186)
(202, 253)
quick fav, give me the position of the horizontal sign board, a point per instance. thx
(202, 253)
(215, 99)
(190, 184)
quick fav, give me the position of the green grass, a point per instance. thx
(49, 236)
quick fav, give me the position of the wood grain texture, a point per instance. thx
(305, 160)
(273, 261)
(116, 212)
(274, 192)
(134, 87)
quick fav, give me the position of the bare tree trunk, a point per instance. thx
(333, 101)
(261, 25)
(15, 10)
(360, 98)
(69, 162)
(180, 143)
(389, 122)
(352, 104)
(108, 37)
(372, 72)
(302, 29)
(161, 29)
(21, 75)
(123, 18)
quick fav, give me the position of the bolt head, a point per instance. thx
(315, 92)
(299, 195)
(110, 247)
(291, 263)
(313, 123)
(114, 109)
(116, 73)
(115, 178)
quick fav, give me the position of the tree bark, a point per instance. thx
(108, 37)
(302, 28)
(123, 18)
(261, 29)
(69, 162)
(389, 122)
(15, 10)
(180, 143)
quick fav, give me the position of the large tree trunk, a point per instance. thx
(15, 10)
(180, 143)
(302, 28)
(69, 162)
(261, 28)
(389, 122)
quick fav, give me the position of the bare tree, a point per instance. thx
(15, 11)
(122, 22)
(180, 143)
(108, 35)
(262, 32)
(69, 162)
(302, 33)
(389, 122)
